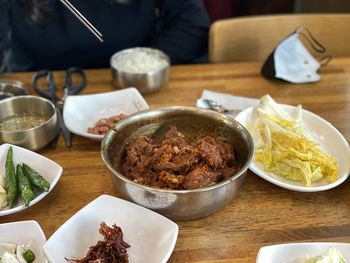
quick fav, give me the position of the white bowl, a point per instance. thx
(83, 111)
(151, 236)
(296, 252)
(50, 170)
(324, 133)
(26, 233)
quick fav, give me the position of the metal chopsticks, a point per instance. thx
(82, 19)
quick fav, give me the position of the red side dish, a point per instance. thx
(112, 249)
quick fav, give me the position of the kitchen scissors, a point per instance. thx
(49, 92)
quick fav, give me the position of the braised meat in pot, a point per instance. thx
(174, 162)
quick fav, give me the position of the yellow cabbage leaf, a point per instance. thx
(285, 150)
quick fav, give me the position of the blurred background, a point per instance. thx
(219, 9)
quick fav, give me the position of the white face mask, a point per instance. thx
(292, 61)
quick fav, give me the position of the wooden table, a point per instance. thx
(262, 213)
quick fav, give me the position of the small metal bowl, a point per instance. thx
(144, 82)
(10, 88)
(33, 138)
(192, 122)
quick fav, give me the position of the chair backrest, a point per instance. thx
(254, 38)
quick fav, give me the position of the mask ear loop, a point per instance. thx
(325, 60)
(315, 44)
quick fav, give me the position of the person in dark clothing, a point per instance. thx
(36, 34)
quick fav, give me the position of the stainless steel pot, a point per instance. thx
(34, 138)
(192, 122)
(10, 88)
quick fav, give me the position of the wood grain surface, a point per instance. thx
(261, 214)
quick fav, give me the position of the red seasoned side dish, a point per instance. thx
(113, 249)
(103, 125)
(175, 163)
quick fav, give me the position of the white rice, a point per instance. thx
(139, 61)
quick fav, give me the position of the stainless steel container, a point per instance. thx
(192, 122)
(34, 138)
(144, 82)
(10, 88)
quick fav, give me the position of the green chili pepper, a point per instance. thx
(24, 186)
(36, 179)
(11, 181)
(29, 256)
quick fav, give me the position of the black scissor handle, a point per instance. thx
(73, 90)
(49, 91)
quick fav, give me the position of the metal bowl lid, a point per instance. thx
(10, 88)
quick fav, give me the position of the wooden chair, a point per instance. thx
(254, 38)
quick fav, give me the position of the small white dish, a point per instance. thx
(50, 170)
(324, 133)
(151, 236)
(83, 111)
(297, 252)
(26, 233)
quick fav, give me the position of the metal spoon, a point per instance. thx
(213, 105)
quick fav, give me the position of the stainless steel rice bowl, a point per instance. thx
(145, 80)
(192, 122)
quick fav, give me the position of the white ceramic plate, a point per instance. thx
(324, 133)
(296, 252)
(83, 111)
(26, 233)
(50, 170)
(151, 236)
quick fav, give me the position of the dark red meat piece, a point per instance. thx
(174, 163)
